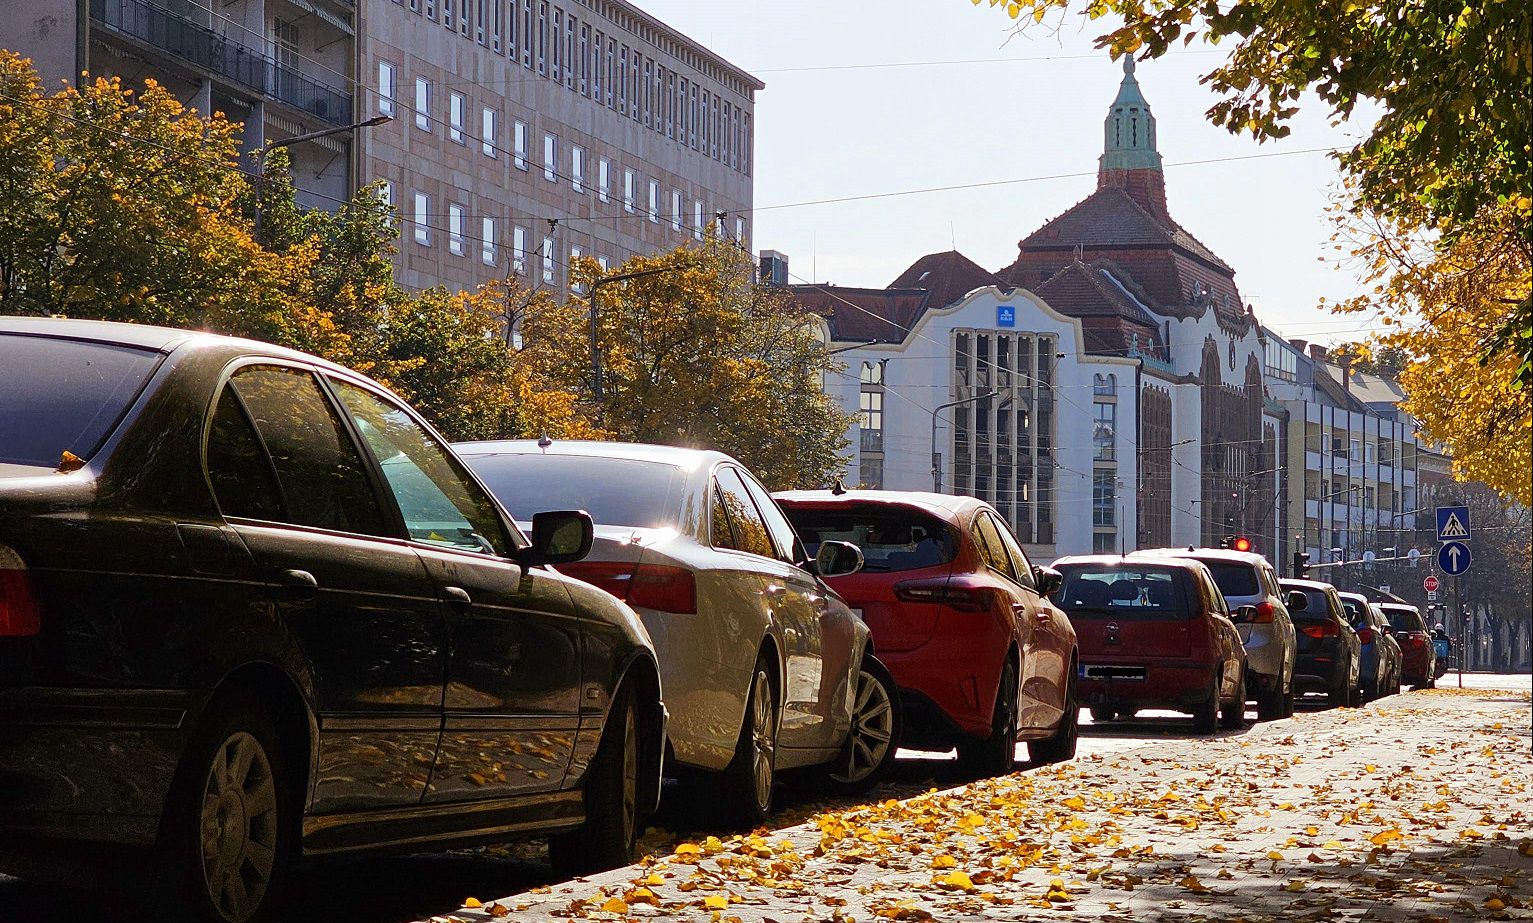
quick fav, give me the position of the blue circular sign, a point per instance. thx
(1453, 558)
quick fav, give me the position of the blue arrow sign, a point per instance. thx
(1453, 523)
(1453, 558)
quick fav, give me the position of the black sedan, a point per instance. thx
(1330, 655)
(252, 610)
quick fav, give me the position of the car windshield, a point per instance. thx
(64, 395)
(1234, 579)
(892, 538)
(615, 491)
(1405, 620)
(1125, 591)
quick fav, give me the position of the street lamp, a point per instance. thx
(937, 463)
(261, 152)
(596, 284)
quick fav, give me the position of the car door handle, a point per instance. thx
(458, 598)
(774, 589)
(299, 584)
(1043, 615)
(1019, 608)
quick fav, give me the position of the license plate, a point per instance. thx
(1092, 671)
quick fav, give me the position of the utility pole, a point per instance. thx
(260, 156)
(937, 461)
(596, 284)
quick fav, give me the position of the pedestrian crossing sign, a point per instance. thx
(1452, 523)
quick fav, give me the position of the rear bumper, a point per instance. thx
(1416, 666)
(90, 766)
(1175, 684)
(952, 677)
(1321, 670)
(1265, 652)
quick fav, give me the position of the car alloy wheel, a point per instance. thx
(763, 739)
(238, 824)
(872, 732)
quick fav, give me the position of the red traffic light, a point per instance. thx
(1241, 543)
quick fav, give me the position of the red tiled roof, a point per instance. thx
(1109, 304)
(861, 315)
(948, 276)
(1111, 216)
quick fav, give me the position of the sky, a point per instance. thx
(1025, 107)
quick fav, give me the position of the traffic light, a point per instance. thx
(1240, 543)
(1300, 565)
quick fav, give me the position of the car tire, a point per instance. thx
(868, 754)
(230, 821)
(1338, 695)
(745, 785)
(1205, 715)
(1101, 713)
(1061, 747)
(1271, 704)
(1355, 693)
(997, 754)
(614, 818)
(1232, 717)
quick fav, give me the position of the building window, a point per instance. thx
(654, 202)
(578, 169)
(1104, 385)
(519, 141)
(455, 229)
(739, 230)
(873, 373)
(455, 106)
(1103, 499)
(489, 139)
(487, 240)
(628, 184)
(1103, 542)
(385, 88)
(602, 262)
(575, 254)
(385, 193)
(519, 250)
(422, 210)
(603, 179)
(550, 158)
(1104, 430)
(422, 104)
(870, 417)
(548, 260)
(676, 216)
(697, 219)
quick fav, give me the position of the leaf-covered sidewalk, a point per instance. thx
(1419, 807)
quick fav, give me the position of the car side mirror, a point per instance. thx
(558, 537)
(1387, 630)
(1244, 614)
(837, 559)
(1298, 601)
(1048, 579)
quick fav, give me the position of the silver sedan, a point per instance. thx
(762, 665)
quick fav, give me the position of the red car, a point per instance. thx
(1155, 633)
(1418, 656)
(960, 617)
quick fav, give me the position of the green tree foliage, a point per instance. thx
(1450, 151)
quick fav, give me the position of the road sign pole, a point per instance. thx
(1463, 632)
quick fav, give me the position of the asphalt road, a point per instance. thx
(395, 889)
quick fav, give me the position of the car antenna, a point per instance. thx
(838, 487)
(544, 442)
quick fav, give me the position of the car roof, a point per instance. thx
(1206, 554)
(632, 451)
(1132, 560)
(148, 336)
(1355, 597)
(1403, 606)
(947, 506)
(1307, 584)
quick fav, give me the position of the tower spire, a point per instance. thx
(1129, 157)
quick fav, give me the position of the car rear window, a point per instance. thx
(1125, 591)
(1405, 620)
(615, 491)
(1318, 608)
(1235, 579)
(891, 538)
(64, 395)
(1354, 610)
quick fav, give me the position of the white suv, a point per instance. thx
(1246, 579)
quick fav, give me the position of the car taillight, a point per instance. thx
(944, 591)
(664, 588)
(1414, 641)
(1265, 613)
(1322, 630)
(1365, 636)
(19, 616)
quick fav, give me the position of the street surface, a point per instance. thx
(1161, 815)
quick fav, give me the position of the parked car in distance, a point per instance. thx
(1271, 644)
(763, 664)
(1418, 655)
(983, 659)
(1379, 654)
(253, 609)
(1329, 652)
(1155, 633)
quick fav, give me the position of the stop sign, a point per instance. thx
(1429, 584)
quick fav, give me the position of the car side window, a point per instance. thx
(319, 469)
(720, 534)
(777, 524)
(1023, 569)
(440, 503)
(244, 483)
(750, 530)
(1215, 596)
(994, 551)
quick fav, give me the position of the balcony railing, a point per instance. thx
(221, 55)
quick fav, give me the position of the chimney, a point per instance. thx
(773, 268)
(1318, 352)
(1344, 360)
(1300, 345)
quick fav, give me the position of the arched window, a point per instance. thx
(1104, 385)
